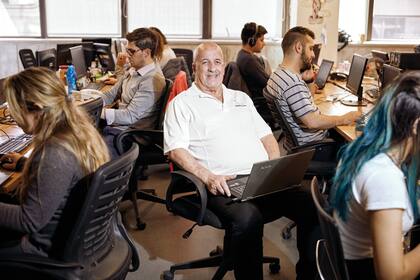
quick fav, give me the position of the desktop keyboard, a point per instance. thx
(16, 144)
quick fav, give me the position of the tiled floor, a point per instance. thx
(161, 243)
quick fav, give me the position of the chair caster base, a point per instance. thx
(274, 268)
(216, 252)
(168, 275)
(140, 224)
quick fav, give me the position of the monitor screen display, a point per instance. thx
(323, 73)
(103, 51)
(357, 70)
(389, 73)
(47, 58)
(78, 60)
(317, 51)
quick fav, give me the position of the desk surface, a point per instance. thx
(336, 108)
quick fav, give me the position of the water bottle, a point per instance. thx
(71, 79)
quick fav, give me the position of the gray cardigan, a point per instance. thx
(38, 215)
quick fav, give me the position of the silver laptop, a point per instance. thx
(271, 176)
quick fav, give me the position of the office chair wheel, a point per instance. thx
(140, 224)
(216, 252)
(274, 268)
(286, 234)
(168, 275)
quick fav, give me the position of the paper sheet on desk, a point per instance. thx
(4, 175)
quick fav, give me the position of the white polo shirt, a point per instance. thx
(223, 137)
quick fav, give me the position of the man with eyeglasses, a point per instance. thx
(135, 98)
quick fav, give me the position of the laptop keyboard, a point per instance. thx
(237, 186)
(16, 144)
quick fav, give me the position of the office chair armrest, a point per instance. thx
(143, 137)
(35, 260)
(325, 150)
(175, 188)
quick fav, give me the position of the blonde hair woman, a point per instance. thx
(66, 148)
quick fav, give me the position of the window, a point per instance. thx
(230, 16)
(80, 18)
(175, 18)
(19, 18)
(353, 18)
(396, 19)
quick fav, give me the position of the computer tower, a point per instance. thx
(402, 60)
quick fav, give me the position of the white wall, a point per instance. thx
(324, 22)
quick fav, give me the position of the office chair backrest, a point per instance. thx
(164, 100)
(90, 215)
(332, 248)
(94, 109)
(27, 58)
(280, 119)
(47, 58)
(174, 66)
(233, 78)
(187, 54)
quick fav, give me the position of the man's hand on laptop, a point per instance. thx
(216, 184)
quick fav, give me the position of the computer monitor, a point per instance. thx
(47, 58)
(381, 55)
(103, 52)
(389, 73)
(323, 73)
(64, 57)
(98, 40)
(78, 60)
(354, 81)
(317, 51)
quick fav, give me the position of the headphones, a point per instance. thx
(252, 41)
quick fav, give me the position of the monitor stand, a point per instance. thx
(355, 100)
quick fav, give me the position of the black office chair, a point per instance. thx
(94, 109)
(172, 68)
(323, 163)
(90, 241)
(187, 54)
(151, 146)
(27, 58)
(329, 254)
(187, 197)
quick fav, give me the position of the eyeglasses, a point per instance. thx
(131, 52)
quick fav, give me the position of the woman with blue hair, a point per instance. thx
(376, 185)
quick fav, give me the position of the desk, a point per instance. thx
(326, 107)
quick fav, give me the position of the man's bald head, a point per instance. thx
(203, 47)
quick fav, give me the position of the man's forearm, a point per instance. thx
(271, 146)
(188, 163)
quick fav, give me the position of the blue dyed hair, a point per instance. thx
(390, 123)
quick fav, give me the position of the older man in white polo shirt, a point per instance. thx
(216, 133)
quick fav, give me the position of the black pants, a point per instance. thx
(244, 222)
(361, 269)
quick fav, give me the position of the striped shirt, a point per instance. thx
(295, 100)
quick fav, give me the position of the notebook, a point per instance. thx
(271, 176)
(323, 73)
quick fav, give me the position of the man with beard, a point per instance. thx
(293, 94)
(214, 132)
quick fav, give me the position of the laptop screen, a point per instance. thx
(323, 73)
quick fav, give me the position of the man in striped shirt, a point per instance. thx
(293, 94)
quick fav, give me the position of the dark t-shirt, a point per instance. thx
(253, 72)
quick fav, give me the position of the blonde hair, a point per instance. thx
(58, 119)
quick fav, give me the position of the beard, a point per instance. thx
(306, 62)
